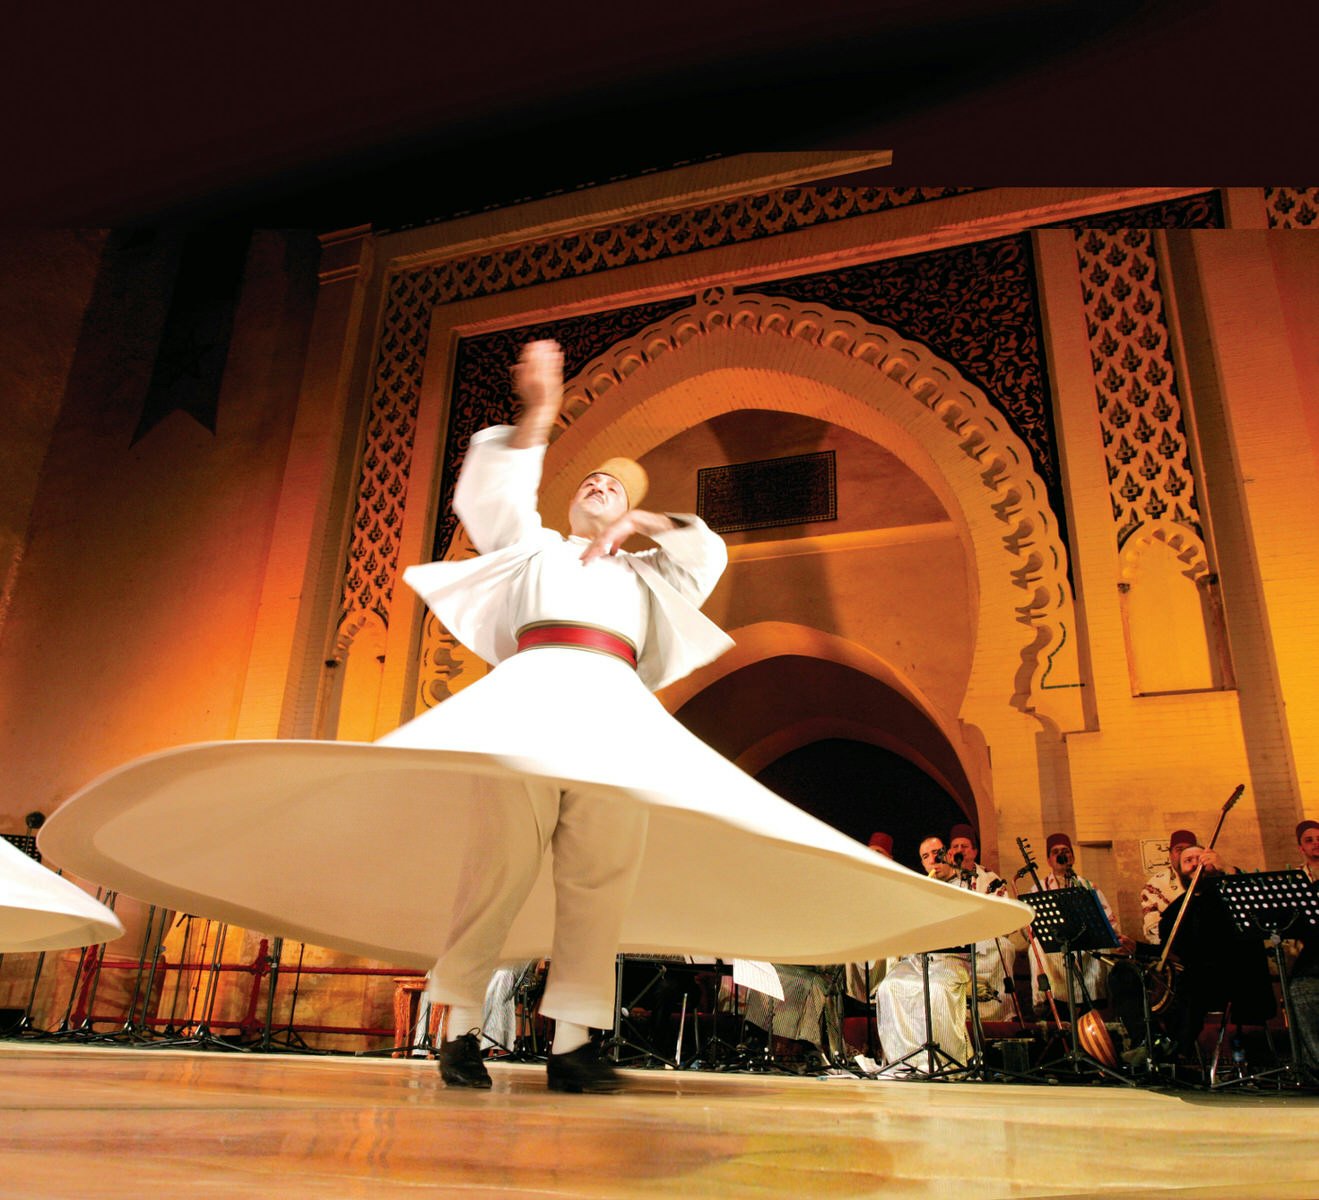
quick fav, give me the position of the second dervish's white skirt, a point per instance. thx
(361, 847)
(41, 911)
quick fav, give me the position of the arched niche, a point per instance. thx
(738, 352)
(1172, 622)
(350, 696)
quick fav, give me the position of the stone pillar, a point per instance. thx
(1248, 350)
(306, 554)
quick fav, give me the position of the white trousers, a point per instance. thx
(597, 845)
(900, 1004)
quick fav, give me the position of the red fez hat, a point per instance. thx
(883, 842)
(1181, 837)
(963, 831)
(1056, 839)
(1303, 826)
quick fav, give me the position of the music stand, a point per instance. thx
(1070, 921)
(1274, 905)
(616, 1043)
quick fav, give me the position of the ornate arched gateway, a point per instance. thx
(734, 352)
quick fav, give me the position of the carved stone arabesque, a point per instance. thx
(413, 294)
(1182, 541)
(1150, 475)
(1292, 207)
(985, 463)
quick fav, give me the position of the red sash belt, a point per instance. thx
(582, 637)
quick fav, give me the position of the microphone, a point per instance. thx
(957, 859)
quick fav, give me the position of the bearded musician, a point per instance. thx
(1221, 971)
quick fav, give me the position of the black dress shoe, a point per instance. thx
(461, 1065)
(581, 1070)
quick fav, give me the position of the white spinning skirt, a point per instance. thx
(41, 911)
(362, 847)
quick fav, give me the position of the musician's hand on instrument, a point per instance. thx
(944, 871)
(1125, 944)
(1211, 863)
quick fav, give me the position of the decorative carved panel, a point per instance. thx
(1003, 494)
(974, 306)
(412, 296)
(793, 490)
(1204, 210)
(1149, 464)
(1292, 207)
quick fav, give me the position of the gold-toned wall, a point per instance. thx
(1087, 659)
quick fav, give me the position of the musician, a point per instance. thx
(1093, 971)
(1303, 978)
(1163, 885)
(806, 1019)
(1307, 840)
(994, 958)
(900, 997)
(1219, 968)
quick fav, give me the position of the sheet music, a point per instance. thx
(758, 976)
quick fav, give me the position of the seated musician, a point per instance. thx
(900, 997)
(1303, 976)
(995, 956)
(1092, 969)
(806, 1024)
(1221, 971)
(1163, 885)
(1307, 841)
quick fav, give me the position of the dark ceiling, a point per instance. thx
(332, 114)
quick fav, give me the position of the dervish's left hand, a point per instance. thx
(610, 539)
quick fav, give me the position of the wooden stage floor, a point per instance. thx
(117, 1123)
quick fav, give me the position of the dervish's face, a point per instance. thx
(966, 848)
(1310, 845)
(930, 848)
(598, 502)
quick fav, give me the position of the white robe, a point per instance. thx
(900, 1011)
(41, 911)
(362, 847)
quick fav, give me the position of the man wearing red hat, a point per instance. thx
(1063, 874)
(994, 957)
(882, 843)
(900, 996)
(1163, 885)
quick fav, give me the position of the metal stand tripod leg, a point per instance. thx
(616, 1042)
(939, 1063)
(1076, 1062)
